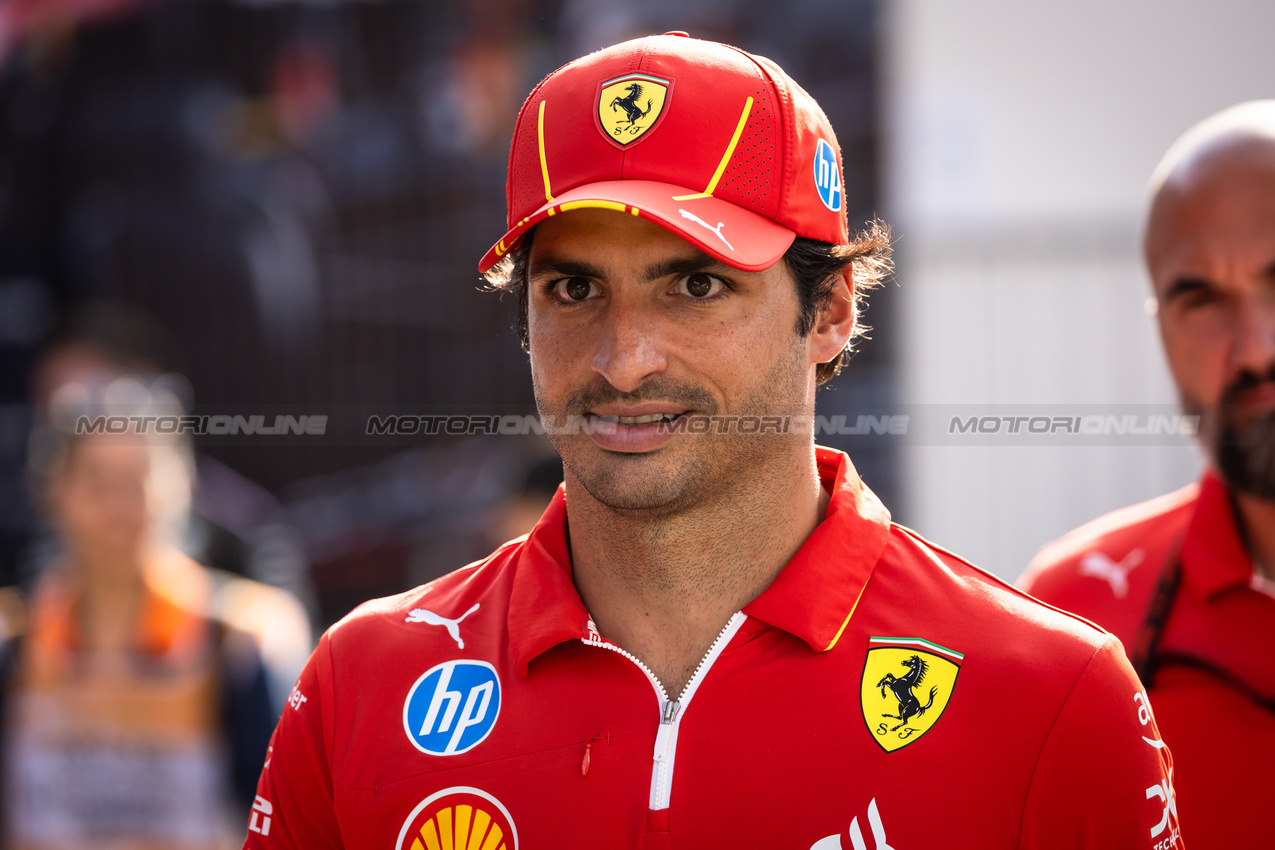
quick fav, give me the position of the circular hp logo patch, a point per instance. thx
(828, 176)
(452, 707)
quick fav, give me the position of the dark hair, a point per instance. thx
(126, 336)
(814, 265)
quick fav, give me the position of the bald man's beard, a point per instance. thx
(1242, 445)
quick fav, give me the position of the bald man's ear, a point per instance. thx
(836, 323)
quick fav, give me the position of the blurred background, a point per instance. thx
(1018, 142)
(285, 202)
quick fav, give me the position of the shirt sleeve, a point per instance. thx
(1104, 778)
(294, 806)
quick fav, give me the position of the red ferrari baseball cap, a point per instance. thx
(714, 144)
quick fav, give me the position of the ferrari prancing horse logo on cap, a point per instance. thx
(907, 684)
(630, 106)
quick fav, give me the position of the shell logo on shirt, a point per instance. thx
(459, 818)
(907, 684)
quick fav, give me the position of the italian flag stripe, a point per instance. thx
(637, 77)
(901, 641)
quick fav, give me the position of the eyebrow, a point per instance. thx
(562, 267)
(697, 262)
(1182, 285)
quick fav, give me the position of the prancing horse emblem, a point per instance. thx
(629, 107)
(914, 674)
(909, 705)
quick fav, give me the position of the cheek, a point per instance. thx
(731, 350)
(83, 513)
(763, 334)
(743, 352)
(555, 352)
(1197, 361)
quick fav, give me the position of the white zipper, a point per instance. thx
(671, 710)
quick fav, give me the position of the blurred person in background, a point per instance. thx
(226, 522)
(138, 705)
(1187, 580)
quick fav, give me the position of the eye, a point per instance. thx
(573, 288)
(700, 285)
(1187, 294)
(1197, 298)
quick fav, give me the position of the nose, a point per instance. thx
(630, 349)
(1255, 338)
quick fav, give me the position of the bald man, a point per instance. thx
(1187, 581)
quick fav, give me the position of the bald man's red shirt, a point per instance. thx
(1213, 682)
(881, 693)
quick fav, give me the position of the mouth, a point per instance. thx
(633, 431)
(644, 419)
(1262, 395)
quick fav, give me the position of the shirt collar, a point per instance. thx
(1213, 555)
(815, 594)
(544, 607)
(812, 597)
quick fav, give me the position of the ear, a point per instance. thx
(836, 323)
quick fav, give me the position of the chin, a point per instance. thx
(692, 470)
(650, 482)
(1244, 453)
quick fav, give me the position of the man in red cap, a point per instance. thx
(714, 637)
(1185, 580)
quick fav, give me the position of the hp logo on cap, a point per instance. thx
(452, 708)
(828, 176)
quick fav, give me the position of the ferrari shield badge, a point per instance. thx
(630, 106)
(907, 684)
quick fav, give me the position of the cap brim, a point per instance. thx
(738, 237)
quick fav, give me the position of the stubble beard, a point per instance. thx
(692, 469)
(1246, 458)
(1243, 452)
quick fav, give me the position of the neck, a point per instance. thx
(663, 588)
(1257, 516)
(110, 593)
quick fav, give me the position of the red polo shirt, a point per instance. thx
(880, 693)
(1214, 685)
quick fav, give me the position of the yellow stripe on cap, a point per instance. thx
(544, 164)
(602, 205)
(721, 166)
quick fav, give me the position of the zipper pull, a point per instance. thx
(664, 735)
(662, 738)
(588, 751)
